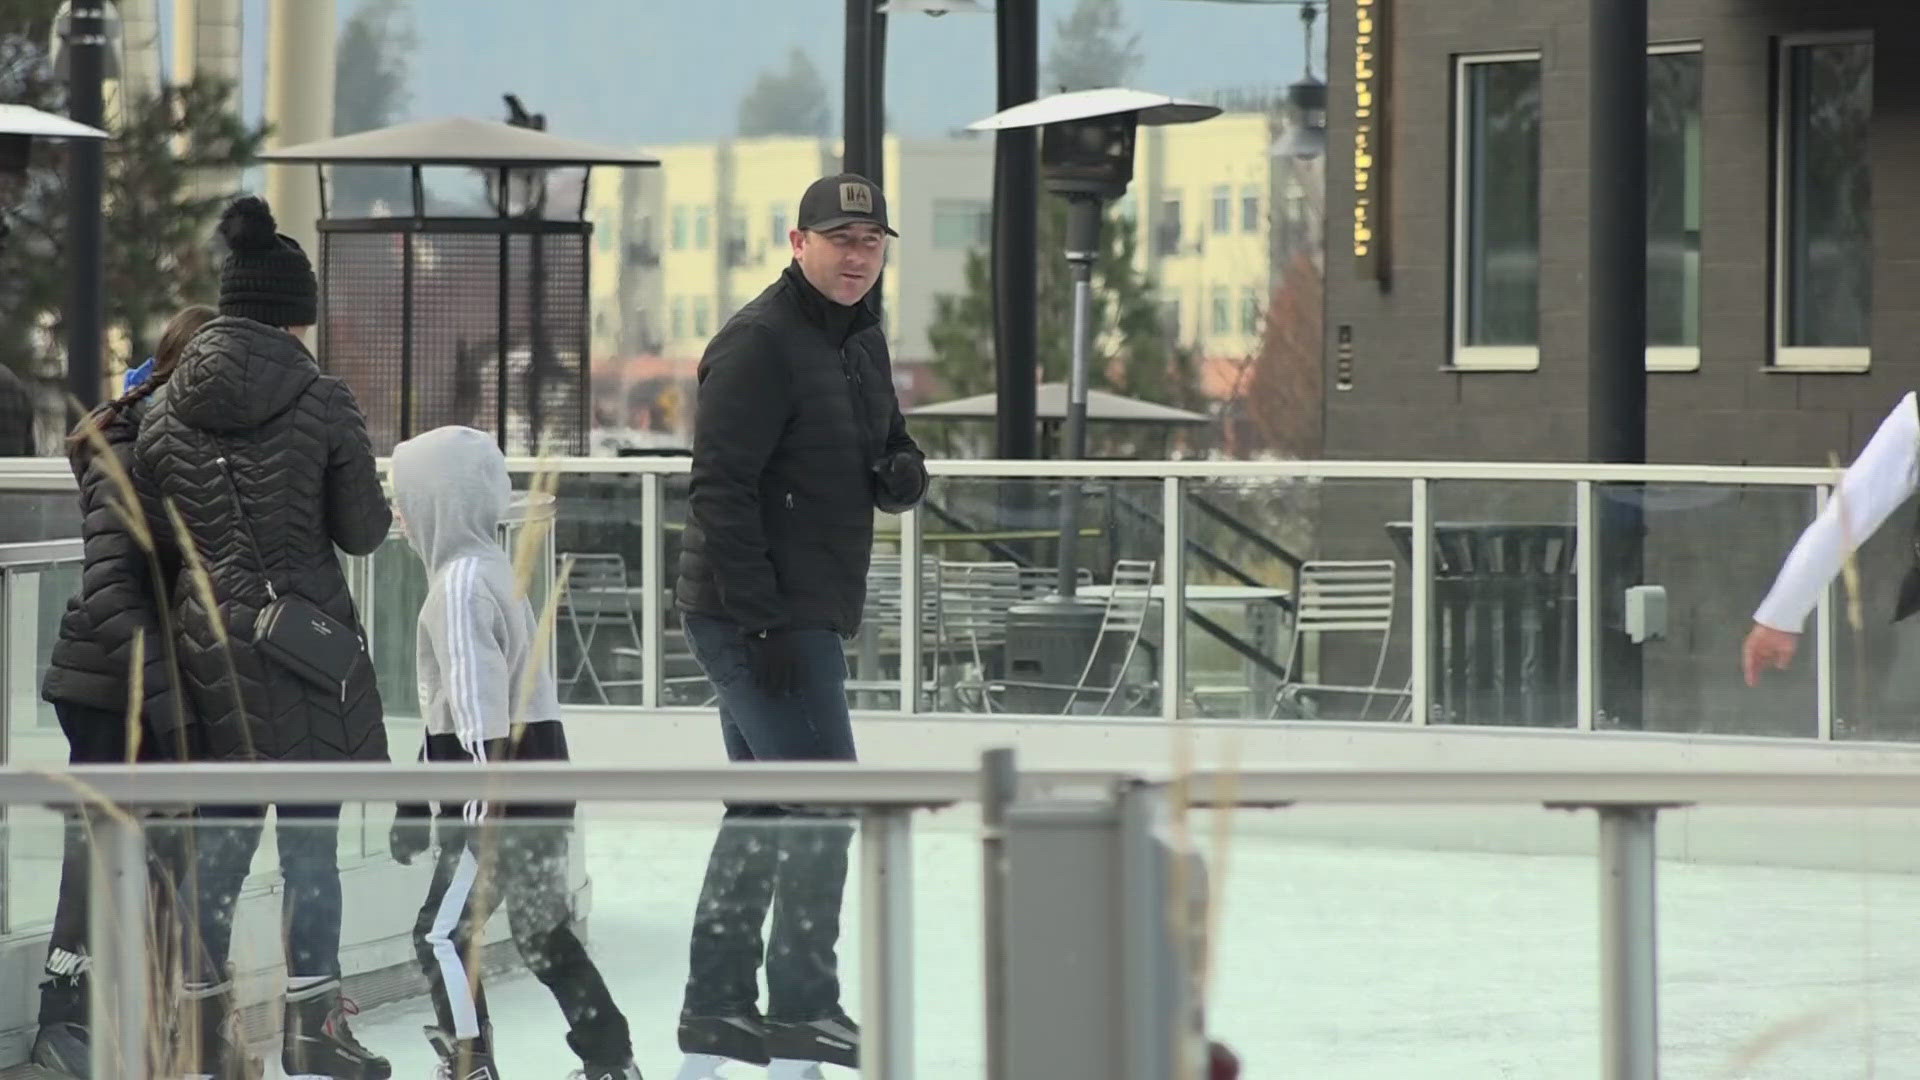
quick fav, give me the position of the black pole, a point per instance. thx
(86, 234)
(1016, 235)
(1617, 329)
(855, 112)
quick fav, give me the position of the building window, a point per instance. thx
(1250, 311)
(702, 312)
(679, 228)
(1170, 320)
(1673, 208)
(1166, 230)
(1222, 322)
(1222, 209)
(1496, 292)
(962, 224)
(679, 317)
(1823, 255)
(1250, 210)
(702, 228)
(780, 230)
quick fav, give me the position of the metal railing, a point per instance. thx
(1627, 805)
(1183, 507)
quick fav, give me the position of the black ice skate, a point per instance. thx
(62, 1044)
(600, 1063)
(834, 1040)
(316, 1043)
(463, 1059)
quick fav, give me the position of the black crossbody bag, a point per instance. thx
(293, 631)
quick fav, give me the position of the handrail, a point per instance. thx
(39, 553)
(1846, 785)
(12, 469)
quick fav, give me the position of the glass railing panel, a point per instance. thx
(647, 891)
(1002, 638)
(1712, 551)
(1784, 945)
(1503, 638)
(1298, 596)
(1353, 940)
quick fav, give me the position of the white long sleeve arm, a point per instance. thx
(1884, 476)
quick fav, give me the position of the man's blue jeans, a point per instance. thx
(776, 858)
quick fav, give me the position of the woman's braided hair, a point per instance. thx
(173, 343)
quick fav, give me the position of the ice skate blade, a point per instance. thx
(794, 1069)
(708, 1067)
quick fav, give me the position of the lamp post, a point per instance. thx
(82, 46)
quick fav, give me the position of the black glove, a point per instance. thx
(412, 832)
(902, 477)
(773, 657)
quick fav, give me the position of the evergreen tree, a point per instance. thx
(789, 102)
(370, 92)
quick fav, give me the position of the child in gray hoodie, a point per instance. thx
(479, 668)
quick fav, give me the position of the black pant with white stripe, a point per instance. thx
(523, 863)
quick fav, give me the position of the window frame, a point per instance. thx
(1461, 356)
(1684, 358)
(1220, 210)
(1250, 200)
(1804, 359)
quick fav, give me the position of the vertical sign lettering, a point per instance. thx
(1371, 37)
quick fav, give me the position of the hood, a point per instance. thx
(450, 486)
(236, 374)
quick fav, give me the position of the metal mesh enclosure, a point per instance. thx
(481, 322)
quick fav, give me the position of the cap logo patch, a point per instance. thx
(855, 198)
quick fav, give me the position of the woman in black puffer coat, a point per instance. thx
(89, 679)
(247, 394)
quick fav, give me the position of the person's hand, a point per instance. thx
(411, 834)
(902, 479)
(1766, 648)
(774, 660)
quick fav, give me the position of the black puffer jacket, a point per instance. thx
(305, 469)
(16, 416)
(796, 412)
(91, 664)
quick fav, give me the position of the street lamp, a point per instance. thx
(1086, 157)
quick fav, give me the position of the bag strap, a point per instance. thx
(246, 526)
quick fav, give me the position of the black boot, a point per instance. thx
(464, 1059)
(62, 1044)
(601, 1063)
(316, 1041)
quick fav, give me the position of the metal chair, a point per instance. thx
(597, 595)
(972, 599)
(1332, 597)
(1123, 621)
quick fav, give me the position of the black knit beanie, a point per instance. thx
(266, 276)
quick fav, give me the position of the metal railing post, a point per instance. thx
(999, 787)
(1826, 627)
(653, 580)
(886, 943)
(1629, 990)
(1586, 583)
(911, 623)
(1420, 604)
(117, 932)
(1173, 597)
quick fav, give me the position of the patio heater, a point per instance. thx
(1086, 158)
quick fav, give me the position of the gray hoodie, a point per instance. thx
(477, 629)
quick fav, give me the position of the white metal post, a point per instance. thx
(911, 624)
(1173, 597)
(886, 943)
(117, 933)
(1629, 1006)
(1420, 640)
(653, 579)
(1826, 626)
(1586, 580)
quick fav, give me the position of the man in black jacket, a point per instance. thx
(798, 439)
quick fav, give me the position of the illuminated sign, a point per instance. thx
(1370, 66)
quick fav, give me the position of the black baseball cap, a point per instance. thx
(845, 199)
